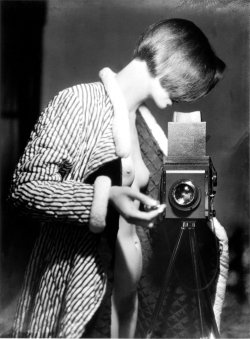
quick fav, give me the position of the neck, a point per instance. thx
(134, 84)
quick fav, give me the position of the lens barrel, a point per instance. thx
(184, 195)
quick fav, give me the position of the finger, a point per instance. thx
(148, 208)
(148, 216)
(145, 199)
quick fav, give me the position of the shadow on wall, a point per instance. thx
(234, 181)
(21, 62)
(236, 311)
(238, 285)
(239, 264)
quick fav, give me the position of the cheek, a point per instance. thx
(162, 99)
(160, 96)
(161, 103)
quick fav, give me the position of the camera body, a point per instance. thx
(188, 175)
(187, 187)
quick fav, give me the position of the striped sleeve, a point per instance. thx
(38, 186)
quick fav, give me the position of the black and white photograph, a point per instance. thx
(124, 169)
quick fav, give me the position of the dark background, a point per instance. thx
(49, 45)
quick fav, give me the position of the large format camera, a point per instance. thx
(189, 177)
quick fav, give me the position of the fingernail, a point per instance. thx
(151, 207)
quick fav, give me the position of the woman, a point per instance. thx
(81, 175)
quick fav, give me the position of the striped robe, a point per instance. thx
(65, 281)
(83, 129)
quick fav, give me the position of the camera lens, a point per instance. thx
(184, 195)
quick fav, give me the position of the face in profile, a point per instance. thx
(160, 95)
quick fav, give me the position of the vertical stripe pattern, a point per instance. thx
(65, 282)
(71, 139)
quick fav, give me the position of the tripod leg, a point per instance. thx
(207, 297)
(165, 284)
(193, 247)
(204, 293)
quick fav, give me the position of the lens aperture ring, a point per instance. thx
(184, 195)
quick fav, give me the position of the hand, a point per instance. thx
(123, 200)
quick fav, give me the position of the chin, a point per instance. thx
(162, 105)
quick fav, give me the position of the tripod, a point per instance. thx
(203, 297)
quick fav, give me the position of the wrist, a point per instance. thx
(102, 187)
(112, 191)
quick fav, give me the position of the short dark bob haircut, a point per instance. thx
(178, 52)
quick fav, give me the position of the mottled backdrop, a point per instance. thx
(49, 45)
